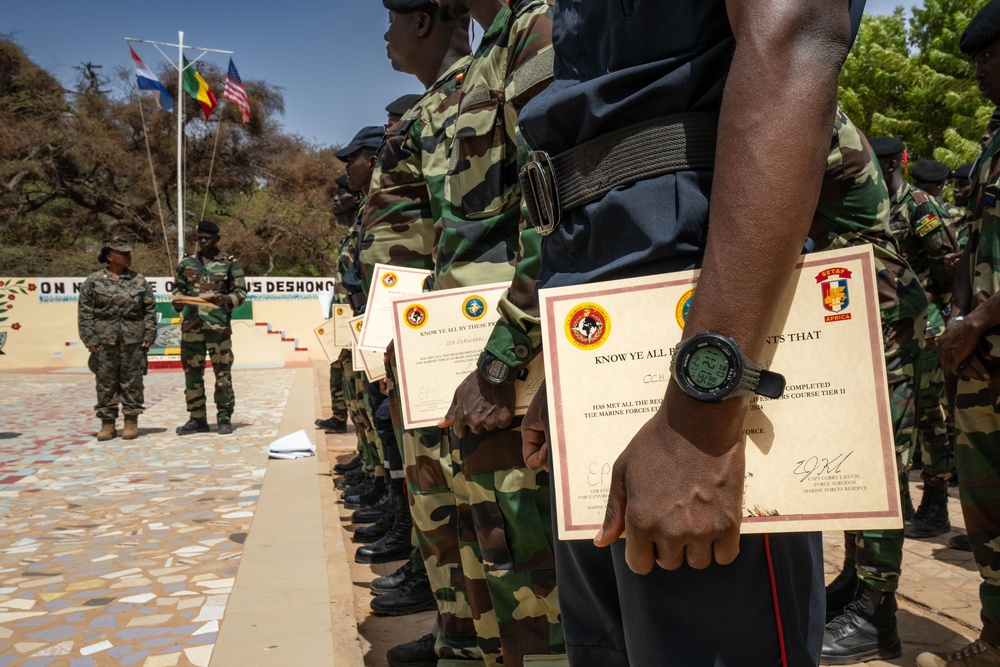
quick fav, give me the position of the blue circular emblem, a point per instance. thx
(474, 308)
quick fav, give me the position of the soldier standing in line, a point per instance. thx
(399, 229)
(922, 230)
(346, 203)
(117, 323)
(206, 330)
(969, 348)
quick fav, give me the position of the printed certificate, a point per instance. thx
(335, 334)
(388, 283)
(821, 457)
(370, 361)
(439, 336)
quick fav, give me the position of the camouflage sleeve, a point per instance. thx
(398, 220)
(931, 223)
(517, 335)
(237, 283)
(181, 285)
(148, 313)
(530, 57)
(85, 313)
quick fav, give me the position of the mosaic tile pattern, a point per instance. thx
(123, 552)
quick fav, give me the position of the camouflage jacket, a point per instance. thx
(984, 236)
(344, 261)
(924, 233)
(116, 310)
(853, 210)
(407, 193)
(478, 234)
(204, 277)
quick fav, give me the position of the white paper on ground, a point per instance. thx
(292, 446)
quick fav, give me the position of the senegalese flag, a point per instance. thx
(196, 87)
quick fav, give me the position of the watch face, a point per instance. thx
(707, 368)
(497, 370)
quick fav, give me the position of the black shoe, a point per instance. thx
(333, 425)
(841, 591)
(352, 478)
(960, 542)
(865, 631)
(394, 545)
(371, 513)
(362, 487)
(344, 468)
(418, 653)
(376, 531)
(225, 427)
(193, 426)
(367, 498)
(414, 595)
(931, 518)
(391, 582)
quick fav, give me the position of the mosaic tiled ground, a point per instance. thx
(123, 552)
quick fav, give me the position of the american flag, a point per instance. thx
(235, 92)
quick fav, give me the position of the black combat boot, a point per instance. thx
(224, 427)
(371, 513)
(418, 653)
(931, 518)
(332, 425)
(412, 596)
(865, 631)
(343, 468)
(375, 532)
(356, 502)
(841, 591)
(352, 478)
(362, 487)
(394, 545)
(193, 425)
(392, 581)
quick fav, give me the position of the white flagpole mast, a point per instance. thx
(180, 146)
(180, 121)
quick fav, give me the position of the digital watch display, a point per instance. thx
(711, 367)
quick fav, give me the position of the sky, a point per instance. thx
(328, 56)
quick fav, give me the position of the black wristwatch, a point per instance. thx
(494, 370)
(711, 367)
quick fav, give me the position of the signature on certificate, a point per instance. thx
(816, 466)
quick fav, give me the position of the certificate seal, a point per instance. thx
(357, 325)
(683, 306)
(835, 285)
(389, 279)
(588, 326)
(474, 308)
(321, 331)
(340, 311)
(415, 316)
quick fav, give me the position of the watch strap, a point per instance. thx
(770, 385)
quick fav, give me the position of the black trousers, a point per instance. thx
(723, 616)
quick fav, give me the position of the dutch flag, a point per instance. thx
(148, 81)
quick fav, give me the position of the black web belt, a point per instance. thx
(551, 185)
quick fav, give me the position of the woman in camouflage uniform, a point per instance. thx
(117, 323)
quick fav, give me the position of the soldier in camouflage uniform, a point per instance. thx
(504, 507)
(346, 203)
(399, 229)
(206, 330)
(970, 348)
(923, 231)
(854, 209)
(117, 323)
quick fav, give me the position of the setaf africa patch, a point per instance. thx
(927, 224)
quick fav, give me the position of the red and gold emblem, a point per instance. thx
(588, 326)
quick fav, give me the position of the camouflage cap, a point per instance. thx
(367, 137)
(983, 29)
(930, 171)
(886, 146)
(408, 6)
(119, 244)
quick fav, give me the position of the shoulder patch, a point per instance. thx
(927, 224)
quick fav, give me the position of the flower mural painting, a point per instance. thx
(9, 291)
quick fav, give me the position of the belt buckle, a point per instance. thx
(541, 194)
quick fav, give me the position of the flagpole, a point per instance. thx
(180, 145)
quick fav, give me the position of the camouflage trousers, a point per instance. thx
(367, 440)
(933, 429)
(352, 403)
(338, 402)
(119, 370)
(505, 539)
(878, 554)
(195, 346)
(977, 458)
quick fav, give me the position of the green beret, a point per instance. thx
(983, 29)
(886, 146)
(930, 171)
(408, 6)
(208, 227)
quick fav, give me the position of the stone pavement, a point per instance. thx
(167, 551)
